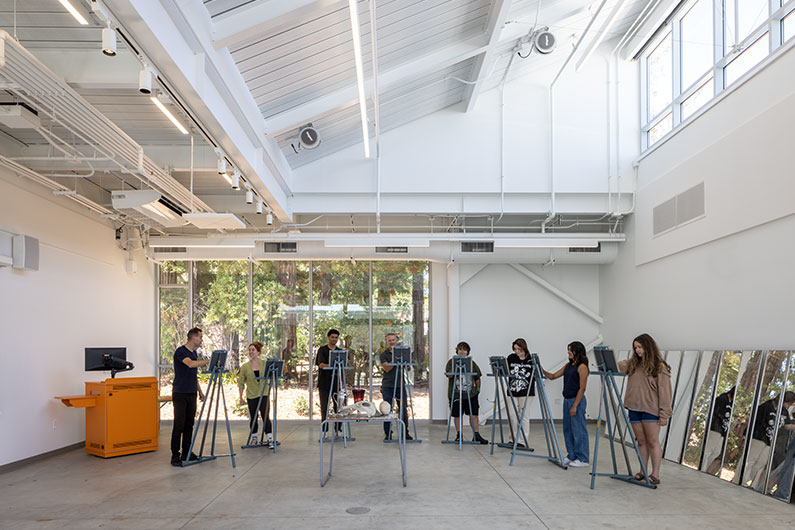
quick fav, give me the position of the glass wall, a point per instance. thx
(289, 306)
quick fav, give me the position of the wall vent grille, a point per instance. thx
(279, 247)
(477, 246)
(679, 210)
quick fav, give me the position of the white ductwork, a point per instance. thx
(35, 84)
(439, 250)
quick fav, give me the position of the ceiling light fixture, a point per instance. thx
(357, 57)
(164, 110)
(235, 182)
(145, 80)
(259, 207)
(269, 219)
(249, 197)
(74, 12)
(221, 164)
(109, 41)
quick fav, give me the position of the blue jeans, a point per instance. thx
(575, 431)
(387, 393)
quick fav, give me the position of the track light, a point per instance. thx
(235, 182)
(109, 41)
(259, 206)
(228, 179)
(74, 12)
(221, 165)
(269, 219)
(145, 80)
(169, 115)
(249, 197)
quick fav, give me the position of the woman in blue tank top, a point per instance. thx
(575, 378)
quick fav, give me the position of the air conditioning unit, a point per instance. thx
(147, 207)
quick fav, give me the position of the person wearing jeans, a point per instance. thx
(575, 378)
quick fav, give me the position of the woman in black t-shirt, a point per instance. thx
(522, 388)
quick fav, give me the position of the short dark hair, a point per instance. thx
(193, 332)
(789, 397)
(463, 346)
(331, 332)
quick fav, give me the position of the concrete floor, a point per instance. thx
(446, 489)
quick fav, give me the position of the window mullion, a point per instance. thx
(676, 77)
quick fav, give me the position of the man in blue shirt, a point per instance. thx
(183, 395)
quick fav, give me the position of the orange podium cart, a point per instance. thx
(122, 415)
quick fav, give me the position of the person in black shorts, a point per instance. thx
(183, 395)
(466, 397)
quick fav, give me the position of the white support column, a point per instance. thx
(440, 347)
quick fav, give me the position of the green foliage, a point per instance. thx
(302, 406)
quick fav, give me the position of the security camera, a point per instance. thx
(145, 81)
(308, 137)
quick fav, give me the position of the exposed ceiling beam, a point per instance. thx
(497, 17)
(261, 18)
(420, 67)
(176, 36)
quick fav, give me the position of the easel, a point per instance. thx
(213, 396)
(611, 399)
(554, 454)
(272, 374)
(499, 371)
(461, 368)
(338, 360)
(401, 361)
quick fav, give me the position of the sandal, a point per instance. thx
(654, 480)
(639, 477)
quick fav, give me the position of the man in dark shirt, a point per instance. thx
(765, 424)
(389, 382)
(326, 385)
(183, 395)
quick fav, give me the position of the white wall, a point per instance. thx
(741, 149)
(455, 151)
(80, 296)
(726, 280)
(490, 306)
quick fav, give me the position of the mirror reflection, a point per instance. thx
(764, 422)
(682, 400)
(705, 383)
(780, 481)
(748, 373)
(673, 358)
(721, 412)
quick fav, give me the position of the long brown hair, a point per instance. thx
(652, 362)
(522, 345)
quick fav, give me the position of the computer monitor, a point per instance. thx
(104, 359)
(401, 354)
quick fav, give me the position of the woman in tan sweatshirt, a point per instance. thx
(648, 399)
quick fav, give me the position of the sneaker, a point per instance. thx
(268, 440)
(577, 463)
(458, 437)
(479, 438)
(193, 457)
(566, 460)
(387, 436)
(408, 437)
(253, 439)
(176, 461)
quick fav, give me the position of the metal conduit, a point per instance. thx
(36, 84)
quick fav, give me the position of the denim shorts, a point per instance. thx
(637, 416)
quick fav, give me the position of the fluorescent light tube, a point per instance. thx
(74, 12)
(357, 58)
(170, 116)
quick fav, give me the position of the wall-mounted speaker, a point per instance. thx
(26, 253)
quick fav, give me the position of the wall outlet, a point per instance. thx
(53, 424)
